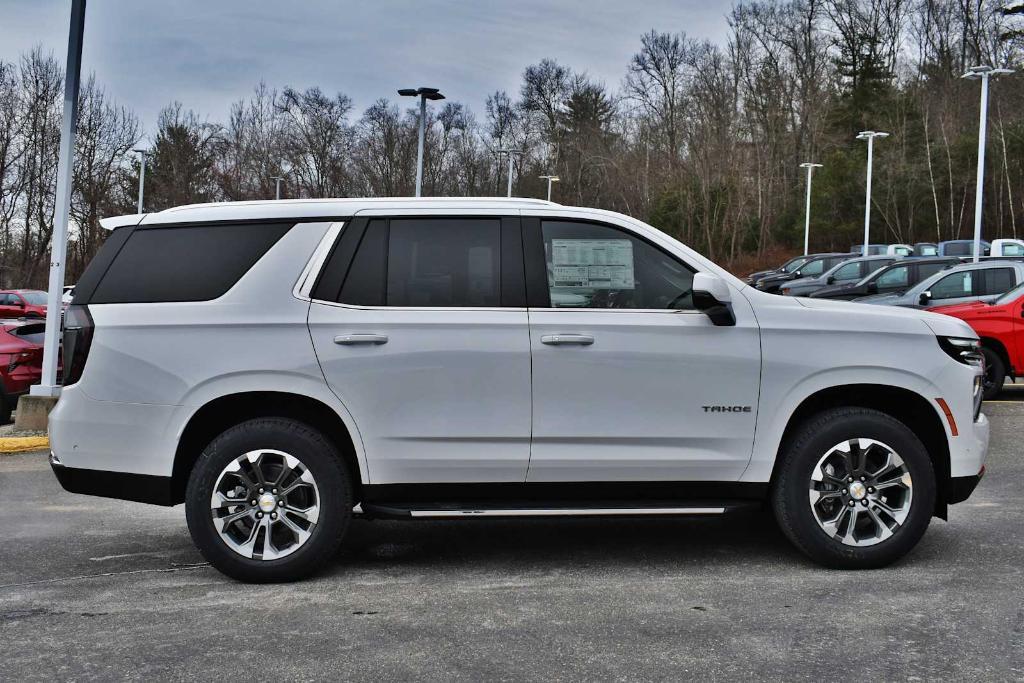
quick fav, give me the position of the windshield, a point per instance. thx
(1010, 295)
(34, 298)
(793, 264)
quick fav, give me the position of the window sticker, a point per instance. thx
(592, 264)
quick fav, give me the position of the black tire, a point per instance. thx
(316, 453)
(6, 408)
(995, 373)
(799, 458)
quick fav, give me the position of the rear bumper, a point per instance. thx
(141, 488)
(961, 488)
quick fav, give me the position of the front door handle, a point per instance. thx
(566, 339)
(354, 339)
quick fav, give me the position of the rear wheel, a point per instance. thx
(995, 373)
(855, 489)
(269, 500)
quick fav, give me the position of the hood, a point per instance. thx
(941, 325)
(884, 299)
(961, 310)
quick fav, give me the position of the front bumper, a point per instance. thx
(961, 488)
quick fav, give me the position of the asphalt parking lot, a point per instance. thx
(93, 588)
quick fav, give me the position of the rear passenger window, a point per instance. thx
(926, 270)
(444, 263)
(183, 263)
(894, 278)
(998, 280)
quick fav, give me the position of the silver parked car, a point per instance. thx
(846, 272)
(983, 281)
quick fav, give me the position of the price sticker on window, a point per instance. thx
(592, 264)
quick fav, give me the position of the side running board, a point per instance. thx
(450, 511)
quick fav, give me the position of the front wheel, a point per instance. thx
(268, 500)
(855, 489)
(995, 373)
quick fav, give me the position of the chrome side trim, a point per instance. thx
(304, 285)
(565, 512)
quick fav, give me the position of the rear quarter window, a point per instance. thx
(193, 263)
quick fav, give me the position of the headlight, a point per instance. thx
(962, 349)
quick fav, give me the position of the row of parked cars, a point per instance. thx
(988, 295)
(22, 314)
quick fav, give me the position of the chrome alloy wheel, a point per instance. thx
(265, 504)
(860, 492)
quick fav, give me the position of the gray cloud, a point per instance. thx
(209, 53)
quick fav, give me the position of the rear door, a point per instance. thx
(630, 382)
(419, 323)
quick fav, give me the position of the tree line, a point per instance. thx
(702, 140)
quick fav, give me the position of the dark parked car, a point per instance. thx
(894, 279)
(847, 272)
(813, 267)
(787, 267)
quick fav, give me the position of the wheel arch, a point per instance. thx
(909, 407)
(223, 412)
(1000, 350)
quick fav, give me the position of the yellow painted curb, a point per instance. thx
(21, 444)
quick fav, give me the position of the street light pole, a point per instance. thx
(511, 153)
(983, 73)
(550, 179)
(870, 136)
(807, 215)
(424, 94)
(62, 204)
(277, 186)
(142, 175)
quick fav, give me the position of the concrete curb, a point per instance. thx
(23, 444)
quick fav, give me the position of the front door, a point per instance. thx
(630, 383)
(421, 329)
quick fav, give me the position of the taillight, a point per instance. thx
(78, 329)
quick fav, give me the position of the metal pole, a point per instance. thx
(510, 159)
(142, 178)
(549, 188)
(867, 202)
(62, 204)
(423, 135)
(982, 130)
(807, 214)
(277, 188)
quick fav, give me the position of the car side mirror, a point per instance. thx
(924, 298)
(872, 288)
(797, 274)
(712, 297)
(831, 280)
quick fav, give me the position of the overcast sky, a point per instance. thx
(210, 53)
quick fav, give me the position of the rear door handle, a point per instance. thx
(566, 339)
(354, 339)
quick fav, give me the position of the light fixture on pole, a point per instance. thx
(982, 73)
(870, 136)
(511, 157)
(143, 153)
(807, 216)
(550, 179)
(62, 204)
(424, 94)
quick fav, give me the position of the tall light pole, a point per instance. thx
(983, 73)
(62, 204)
(277, 185)
(511, 157)
(807, 215)
(143, 153)
(550, 179)
(870, 136)
(424, 94)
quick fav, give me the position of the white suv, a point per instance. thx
(281, 367)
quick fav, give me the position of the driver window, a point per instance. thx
(851, 271)
(953, 286)
(596, 266)
(893, 279)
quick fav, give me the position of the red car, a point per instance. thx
(22, 303)
(21, 362)
(1001, 329)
